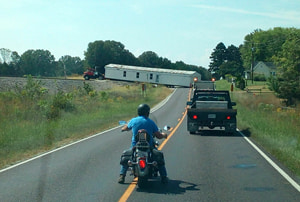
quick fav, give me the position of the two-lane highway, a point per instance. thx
(207, 167)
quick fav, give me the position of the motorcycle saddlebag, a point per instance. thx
(158, 156)
(126, 156)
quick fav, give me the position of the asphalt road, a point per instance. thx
(203, 167)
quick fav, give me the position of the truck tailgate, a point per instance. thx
(204, 114)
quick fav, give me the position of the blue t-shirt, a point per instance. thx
(139, 123)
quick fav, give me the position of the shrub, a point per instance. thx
(89, 90)
(259, 77)
(240, 83)
(52, 106)
(33, 89)
(87, 87)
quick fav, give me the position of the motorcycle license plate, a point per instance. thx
(211, 116)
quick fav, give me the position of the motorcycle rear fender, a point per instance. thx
(145, 171)
(142, 172)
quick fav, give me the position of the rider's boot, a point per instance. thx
(121, 179)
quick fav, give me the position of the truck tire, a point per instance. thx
(86, 77)
(192, 132)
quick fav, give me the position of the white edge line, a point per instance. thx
(52, 151)
(162, 103)
(274, 165)
(78, 141)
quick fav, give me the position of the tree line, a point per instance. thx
(280, 46)
(98, 54)
(38, 63)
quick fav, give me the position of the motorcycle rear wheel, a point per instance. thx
(142, 182)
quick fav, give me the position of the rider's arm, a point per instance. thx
(160, 135)
(125, 128)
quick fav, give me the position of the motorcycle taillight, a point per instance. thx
(142, 163)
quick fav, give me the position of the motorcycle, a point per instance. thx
(143, 158)
(142, 163)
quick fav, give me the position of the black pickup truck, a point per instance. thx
(209, 108)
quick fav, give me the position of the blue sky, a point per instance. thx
(180, 30)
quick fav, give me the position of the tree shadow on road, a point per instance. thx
(173, 187)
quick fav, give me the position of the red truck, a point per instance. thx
(92, 74)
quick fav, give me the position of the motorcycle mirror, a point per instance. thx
(167, 128)
(122, 122)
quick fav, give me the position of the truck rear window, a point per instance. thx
(211, 98)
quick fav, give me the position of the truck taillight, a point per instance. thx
(195, 116)
(228, 117)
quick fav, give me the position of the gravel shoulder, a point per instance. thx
(53, 85)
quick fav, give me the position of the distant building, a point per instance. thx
(169, 77)
(266, 69)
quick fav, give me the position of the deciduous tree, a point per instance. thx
(38, 63)
(101, 53)
(70, 65)
(288, 76)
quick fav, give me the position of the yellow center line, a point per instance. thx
(172, 132)
(133, 184)
(129, 190)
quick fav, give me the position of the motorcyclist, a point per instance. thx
(142, 121)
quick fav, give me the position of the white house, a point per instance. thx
(262, 68)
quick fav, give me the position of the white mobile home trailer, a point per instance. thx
(151, 75)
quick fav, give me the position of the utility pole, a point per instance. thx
(64, 66)
(65, 73)
(252, 61)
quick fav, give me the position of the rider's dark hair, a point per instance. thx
(143, 110)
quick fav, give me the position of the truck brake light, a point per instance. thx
(195, 116)
(228, 117)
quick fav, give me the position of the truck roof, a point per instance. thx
(212, 91)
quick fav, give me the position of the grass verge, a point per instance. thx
(33, 121)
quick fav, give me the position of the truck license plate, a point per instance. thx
(211, 116)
